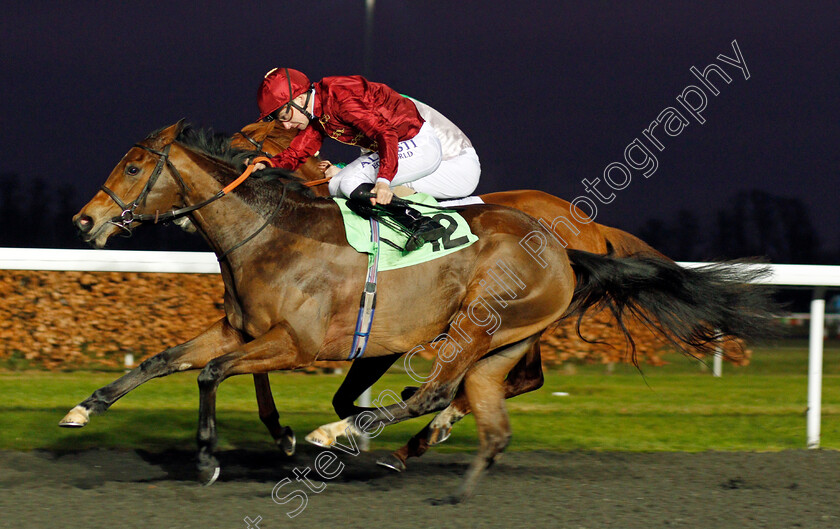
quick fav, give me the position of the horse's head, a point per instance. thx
(142, 184)
(264, 136)
(271, 139)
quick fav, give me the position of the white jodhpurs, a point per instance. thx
(420, 168)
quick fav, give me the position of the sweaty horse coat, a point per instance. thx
(292, 292)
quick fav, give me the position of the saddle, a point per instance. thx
(454, 234)
(399, 215)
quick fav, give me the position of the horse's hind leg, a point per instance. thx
(484, 389)
(525, 376)
(435, 394)
(215, 341)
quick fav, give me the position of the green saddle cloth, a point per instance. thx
(458, 235)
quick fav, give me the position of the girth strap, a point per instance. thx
(367, 305)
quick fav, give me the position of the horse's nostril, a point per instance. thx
(84, 223)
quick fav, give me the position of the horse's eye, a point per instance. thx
(132, 170)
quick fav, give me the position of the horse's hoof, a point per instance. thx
(75, 418)
(407, 392)
(439, 435)
(207, 475)
(320, 438)
(287, 443)
(392, 462)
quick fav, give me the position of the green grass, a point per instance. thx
(673, 407)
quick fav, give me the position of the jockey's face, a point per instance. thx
(292, 118)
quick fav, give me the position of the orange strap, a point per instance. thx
(313, 183)
(250, 169)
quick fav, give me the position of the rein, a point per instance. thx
(128, 217)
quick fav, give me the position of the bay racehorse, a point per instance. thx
(554, 214)
(292, 285)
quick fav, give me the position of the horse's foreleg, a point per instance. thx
(525, 376)
(275, 350)
(216, 340)
(284, 436)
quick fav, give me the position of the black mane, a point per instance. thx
(262, 189)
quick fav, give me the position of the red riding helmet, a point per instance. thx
(279, 87)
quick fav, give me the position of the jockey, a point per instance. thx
(403, 141)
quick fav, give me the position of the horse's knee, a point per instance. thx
(161, 363)
(211, 375)
(152, 366)
(431, 400)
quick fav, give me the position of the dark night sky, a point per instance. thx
(549, 92)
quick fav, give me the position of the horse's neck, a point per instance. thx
(225, 222)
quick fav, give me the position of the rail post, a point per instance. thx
(815, 367)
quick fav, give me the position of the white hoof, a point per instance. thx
(326, 435)
(320, 438)
(437, 436)
(75, 418)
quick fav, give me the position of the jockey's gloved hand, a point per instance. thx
(380, 193)
(365, 191)
(418, 229)
(259, 166)
(383, 193)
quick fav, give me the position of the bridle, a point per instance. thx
(259, 146)
(125, 219)
(255, 143)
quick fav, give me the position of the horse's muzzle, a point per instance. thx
(83, 224)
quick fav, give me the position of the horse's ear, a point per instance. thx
(167, 135)
(259, 129)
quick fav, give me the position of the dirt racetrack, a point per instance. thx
(135, 489)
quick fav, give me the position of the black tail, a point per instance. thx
(688, 307)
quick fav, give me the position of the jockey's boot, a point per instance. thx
(419, 229)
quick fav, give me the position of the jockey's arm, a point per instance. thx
(377, 128)
(302, 147)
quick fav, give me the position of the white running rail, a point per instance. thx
(819, 277)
